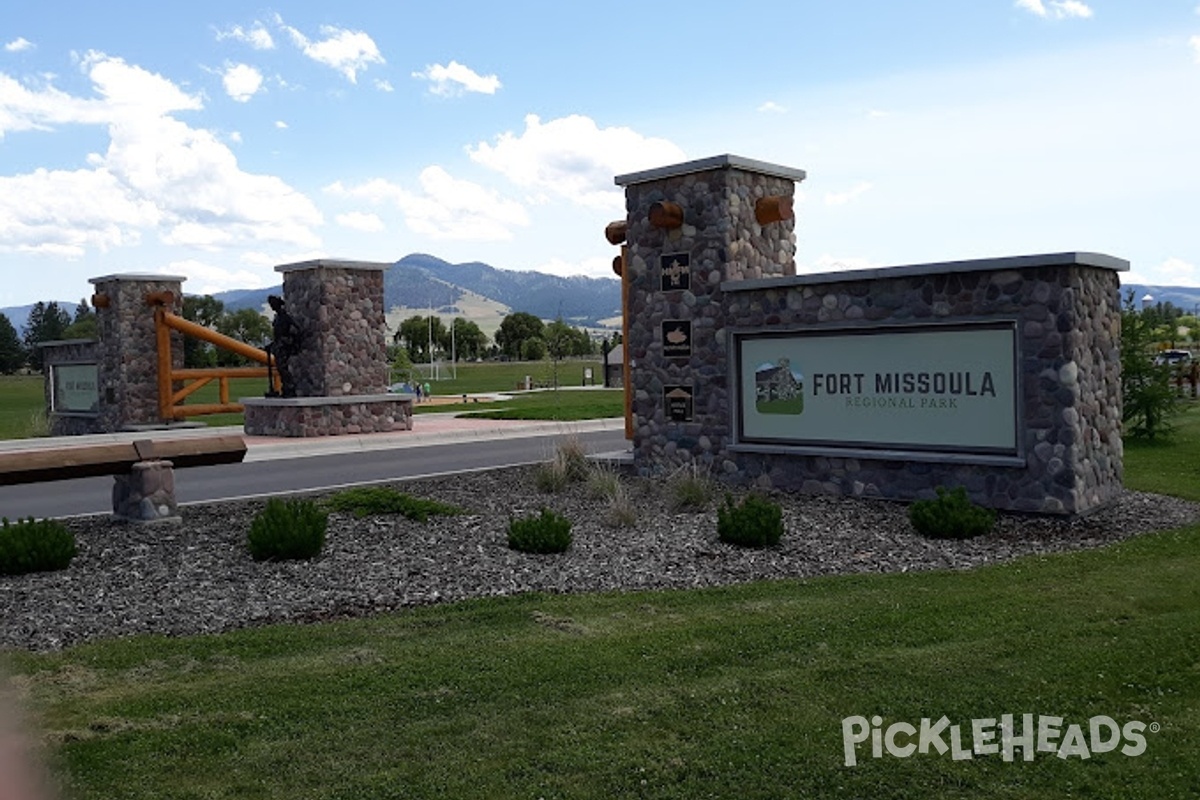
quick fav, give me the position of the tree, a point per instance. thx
(12, 354)
(533, 349)
(469, 341)
(47, 323)
(206, 311)
(559, 342)
(515, 330)
(84, 325)
(415, 334)
(1148, 399)
(246, 325)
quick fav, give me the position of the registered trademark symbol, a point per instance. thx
(1155, 727)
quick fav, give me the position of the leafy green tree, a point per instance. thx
(206, 311)
(12, 353)
(47, 323)
(515, 330)
(246, 325)
(1148, 398)
(533, 349)
(84, 325)
(469, 341)
(415, 334)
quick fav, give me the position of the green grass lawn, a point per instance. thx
(564, 404)
(22, 406)
(734, 692)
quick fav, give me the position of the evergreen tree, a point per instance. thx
(47, 323)
(1148, 398)
(12, 353)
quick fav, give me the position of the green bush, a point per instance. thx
(29, 546)
(548, 532)
(950, 516)
(291, 529)
(363, 501)
(757, 522)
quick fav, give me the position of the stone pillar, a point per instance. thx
(147, 493)
(127, 349)
(675, 278)
(338, 306)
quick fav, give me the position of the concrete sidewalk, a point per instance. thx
(428, 429)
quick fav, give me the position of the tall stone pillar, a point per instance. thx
(692, 226)
(338, 306)
(127, 350)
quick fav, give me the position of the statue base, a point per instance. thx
(308, 417)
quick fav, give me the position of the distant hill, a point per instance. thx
(419, 282)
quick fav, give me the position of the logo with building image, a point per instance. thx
(778, 389)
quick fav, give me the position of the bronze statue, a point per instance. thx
(286, 343)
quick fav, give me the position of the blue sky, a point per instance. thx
(218, 140)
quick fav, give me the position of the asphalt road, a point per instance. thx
(204, 484)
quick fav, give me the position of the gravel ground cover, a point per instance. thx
(197, 576)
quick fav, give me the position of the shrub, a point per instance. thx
(950, 516)
(28, 546)
(363, 501)
(548, 532)
(690, 488)
(290, 529)
(574, 459)
(757, 522)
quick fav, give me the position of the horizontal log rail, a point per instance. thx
(116, 458)
(170, 399)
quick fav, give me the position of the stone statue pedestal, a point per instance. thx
(302, 417)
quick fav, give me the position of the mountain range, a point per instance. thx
(419, 283)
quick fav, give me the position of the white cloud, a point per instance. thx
(205, 278)
(841, 198)
(281, 125)
(257, 37)
(1057, 9)
(349, 52)
(455, 79)
(359, 221)
(446, 208)
(241, 81)
(19, 45)
(158, 174)
(600, 267)
(573, 158)
(771, 107)
(235, 137)
(384, 86)
(1194, 43)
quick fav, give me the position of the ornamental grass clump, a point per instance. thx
(34, 546)
(950, 516)
(690, 488)
(548, 532)
(286, 530)
(756, 522)
(364, 501)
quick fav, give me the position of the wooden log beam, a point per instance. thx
(616, 231)
(665, 214)
(774, 208)
(116, 458)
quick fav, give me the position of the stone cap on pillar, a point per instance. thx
(332, 263)
(725, 161)
(140, 277)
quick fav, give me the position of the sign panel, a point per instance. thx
(946, 388)
(677, 338)
(75, 387)
(678, 403)
(675, 272)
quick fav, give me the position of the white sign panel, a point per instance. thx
(945, 388)
(75, 387)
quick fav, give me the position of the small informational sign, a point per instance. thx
(676, 271)
(950, 388)
(75, 388)
(677, 338)
(678, 403)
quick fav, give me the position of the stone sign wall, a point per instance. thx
(1062, 311)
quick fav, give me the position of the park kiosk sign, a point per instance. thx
(1000, 375)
